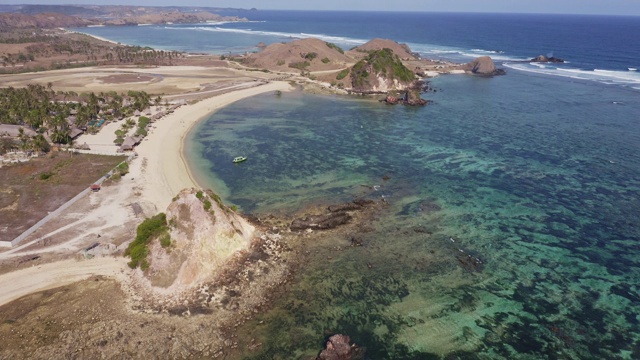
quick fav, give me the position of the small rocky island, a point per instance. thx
(545, 59)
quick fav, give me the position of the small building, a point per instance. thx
(14, 130)
(75, 132)
(95, 187)
(130, 142)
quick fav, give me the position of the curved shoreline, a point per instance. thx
(164, 170)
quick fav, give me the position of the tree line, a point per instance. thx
(55, 113)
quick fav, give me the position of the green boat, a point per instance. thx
(239, 159)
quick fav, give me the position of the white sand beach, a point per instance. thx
(161, 170)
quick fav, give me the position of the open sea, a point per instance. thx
(534, 177)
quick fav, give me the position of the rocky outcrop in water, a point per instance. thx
(483, 66)
(544, 59)
(320, 222)
(338, 215)
(411, 98)
(339, 347)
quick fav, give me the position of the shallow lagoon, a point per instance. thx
(536, 177)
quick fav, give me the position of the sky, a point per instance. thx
(608, 7)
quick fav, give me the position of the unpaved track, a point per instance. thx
(17, 284)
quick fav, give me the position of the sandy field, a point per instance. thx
(153, 80)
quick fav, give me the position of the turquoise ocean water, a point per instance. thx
(534, 176)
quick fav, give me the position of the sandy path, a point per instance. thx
(165, 172)
(39, 278)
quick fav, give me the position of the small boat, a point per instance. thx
(632, 69)
(239, 159)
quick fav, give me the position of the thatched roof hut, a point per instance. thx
(130, 142)
(14, 130)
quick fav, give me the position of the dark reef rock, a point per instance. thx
(345, 207)
(337, 216)
(469, 262)
(320, 222)
(544, 59)
(339, 347)
(411, 98)
(483, 66)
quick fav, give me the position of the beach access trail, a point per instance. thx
(22, 282)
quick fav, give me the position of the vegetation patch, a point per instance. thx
(343, 74)
(310, 56)
(325, 60)
(301, 65)
(152, 228)
(384, 62)
(143, 122)
(335, 47)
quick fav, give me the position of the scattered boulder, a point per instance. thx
(339, 347)
(544, 59)
(483, 66)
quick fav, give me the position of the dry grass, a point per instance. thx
(29, 191)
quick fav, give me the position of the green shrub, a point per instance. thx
(45, 175)
(118, 141)
(310, 56)
(123, 168)
(300, 65)
(138, 249)
(206, 204)
(143, 121)
(165, 240)
(199, 195)
(280, 62)
(342, 74)
(335, 47)
(325, 60)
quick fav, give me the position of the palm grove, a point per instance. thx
(53, 115)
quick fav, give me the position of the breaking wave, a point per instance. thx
(608, 77)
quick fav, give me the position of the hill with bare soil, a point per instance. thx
(402, 50)
(304, 55)
(204, 235)
(43, 20)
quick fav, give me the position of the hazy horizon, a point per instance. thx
(589, 7)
